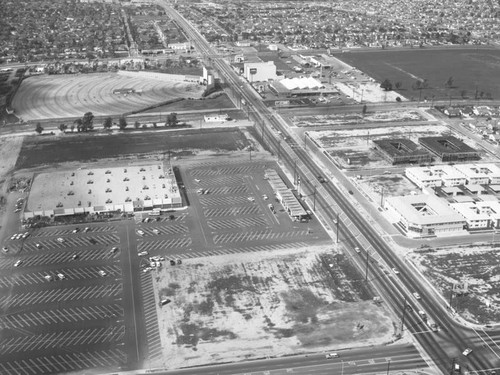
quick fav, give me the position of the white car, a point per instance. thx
(416, 295)
(396, 272)
(467, 351)
(38, 245)
(25, 235)
(251, 199)
(60, 239)
(86, 229)
(140, 232)
(14, 236)
(156, 231)
(61, 276)
(113, 250)
(332, 355)
(5, 249)
(147, 269)
(265, 197)
(18, 263)
(102, 273)
(143, 253)
(75, 230)
(356, 249)
(48, 277)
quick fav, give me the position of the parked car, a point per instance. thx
(18, 263)
(416, 295)
(102, 273)
(467, 351)
(60, 239)
(5, 249)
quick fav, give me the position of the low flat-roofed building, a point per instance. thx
(474, 174)
(452, 191)
(494, 188)
(401, 150)
(424, 215)
(449, 148)
(475, 189)
(491, 170)
(439, 175)
(288, 200)
(96, 190)
(492, 208)
(474, 216)
(463, 198)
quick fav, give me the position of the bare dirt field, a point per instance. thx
(477, 265)
(253, 305)
(60, 96)
(37, 151)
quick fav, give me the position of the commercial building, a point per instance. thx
(449, 148)
(286, 197)
(424, 215)
(259, 71)
(401, 150)
(98, 190)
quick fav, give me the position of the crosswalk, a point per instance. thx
(65, 362)
(151, 317)
(60, 316)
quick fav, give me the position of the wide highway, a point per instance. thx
(444, 347)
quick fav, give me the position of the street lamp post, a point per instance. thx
(367, 259)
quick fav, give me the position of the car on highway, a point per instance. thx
(357, 249)
(18, 263)
(102, 273)
(61, 276)
(332, 355)
(395, 270)
(5, 249)
(416, 295)
(60, 239)
(467, 351)
(321, 179)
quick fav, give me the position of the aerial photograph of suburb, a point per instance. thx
(224, 187)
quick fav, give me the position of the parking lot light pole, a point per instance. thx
(367, 258)
(337, 237)
(314, 198)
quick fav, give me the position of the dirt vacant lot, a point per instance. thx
(478, 266)
(37, 151)
(253, 305)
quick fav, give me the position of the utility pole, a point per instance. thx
(305, 139)
(382, 197)
(314, 198)
(295, 172)
(250, 152)
(367, 258)
(279, 149)
(338, 218)
(388, 366)
(404, 315)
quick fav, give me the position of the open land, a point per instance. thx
(37, 151)
(471, 69)
(296, 301)
(220, 102)
(55, 96)
(475, 264)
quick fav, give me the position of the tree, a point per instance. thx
(463, 93)
(39, 128)
(398, 85)
(108, 123)
(72, 128)
(88, 121)
(363, 110)
(122, 123)
(137, 124)
(386, 85)
(171, 119)
(449, 83)
(63, 127)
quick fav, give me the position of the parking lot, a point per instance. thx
(228, 213)
(61, 288)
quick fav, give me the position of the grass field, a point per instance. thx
(221, 101)
(471, 69)
(37, 151)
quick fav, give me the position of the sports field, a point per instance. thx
(471, 69)
(60, 96)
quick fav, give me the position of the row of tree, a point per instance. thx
(86, 123)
